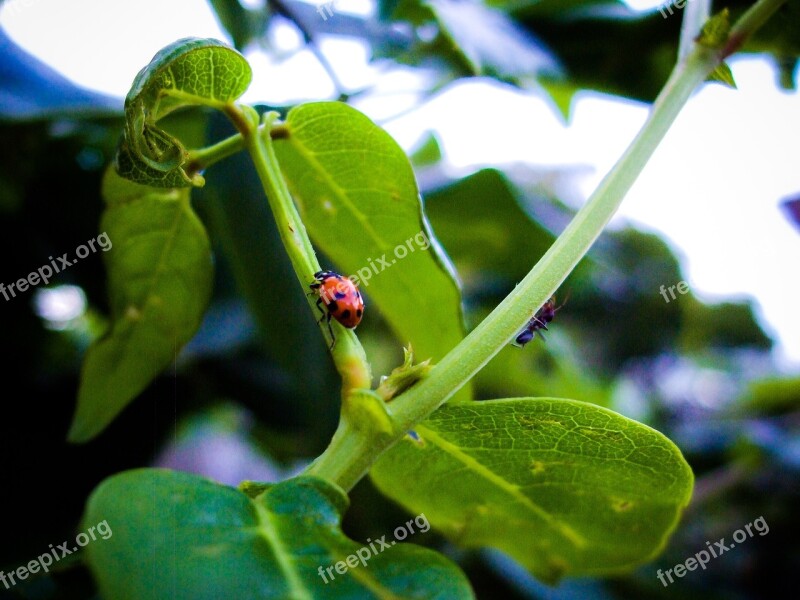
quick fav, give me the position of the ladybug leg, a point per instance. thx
(330, 330)
(319, 307)
(326, 314)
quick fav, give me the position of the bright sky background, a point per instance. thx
(712, 189)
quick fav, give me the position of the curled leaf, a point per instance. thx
(188, 72)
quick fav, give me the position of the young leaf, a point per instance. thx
(160, 276)
(358, 198)
(188, 72)
(564, 487)
(183, 537)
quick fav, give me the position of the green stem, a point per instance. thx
(348, 354)
(499, 328)
(202, 158)
(748, 23)
(695, 14)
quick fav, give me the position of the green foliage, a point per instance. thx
(566, 488)
(484, 229)
(183, 537)
(359, 201)
(774, 395)
(160, 277)
(188, 72)
(563, 487)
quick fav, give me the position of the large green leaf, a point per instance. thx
(188, 72)
(160, 275)
(182, 537)
(358, 198)
(565, 487)
(480, 222)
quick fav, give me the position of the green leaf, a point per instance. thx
(188, 72)
(486, 232)
(403, 377)
(429, 152)
(183, 537)
(160, 276)
(564, 487)
(358, 198)
(489, 42)
(722, 73)
(238, 21)
(541, 368)
(774, 395)
(715, 31)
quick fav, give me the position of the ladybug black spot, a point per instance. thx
(333, 307)
(346, 314)
(358, 312)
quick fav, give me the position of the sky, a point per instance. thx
(712, 189)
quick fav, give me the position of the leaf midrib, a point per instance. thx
(282, 555)
(505, 486)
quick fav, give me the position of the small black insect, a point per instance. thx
(538, 322)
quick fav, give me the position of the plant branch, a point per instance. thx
(202, 158)
(497, 330)
(748, 23)
(695, 14)
(348, 354)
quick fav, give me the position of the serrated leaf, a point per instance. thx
(183, 537)
(358, 198)
(160, 275)
(188, 72)
(564, 487)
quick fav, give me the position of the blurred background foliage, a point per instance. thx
(255, 396)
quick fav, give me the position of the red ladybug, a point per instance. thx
(341, 299)
(538, 322)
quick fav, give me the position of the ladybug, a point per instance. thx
(538, 322)
(341, 299)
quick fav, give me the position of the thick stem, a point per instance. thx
(497, 330)
(695, 14)
(348, 354)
